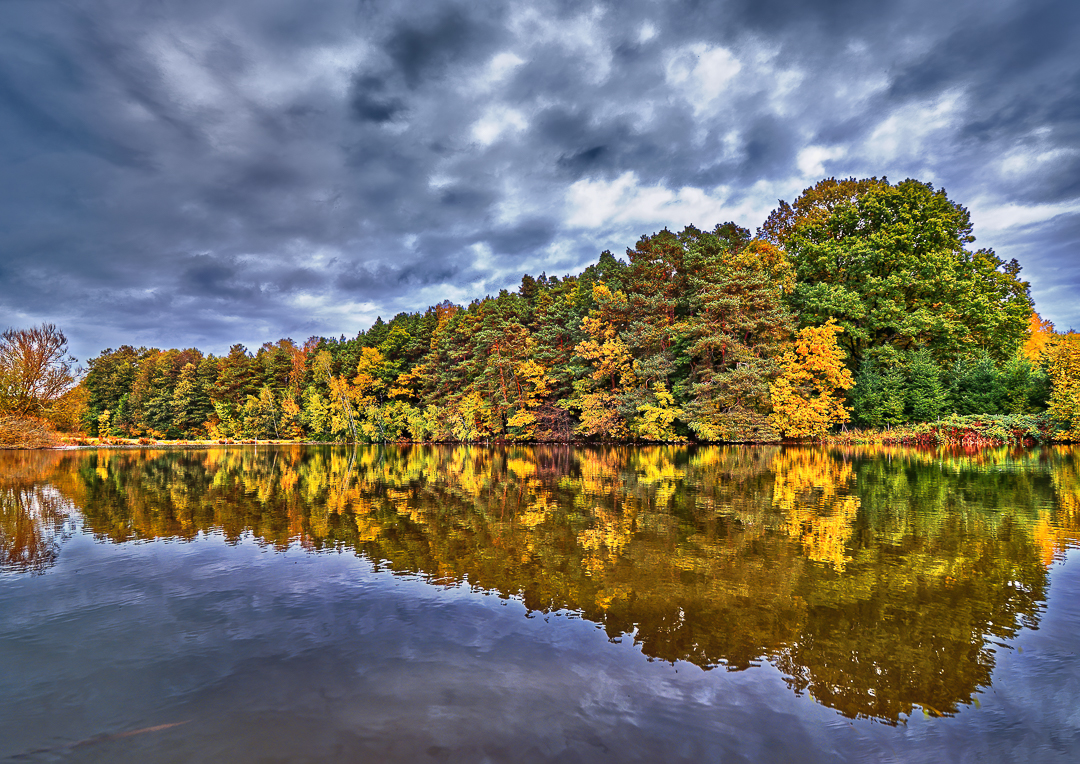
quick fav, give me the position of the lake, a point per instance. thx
(548, 603)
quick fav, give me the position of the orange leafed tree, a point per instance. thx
(35, 369)
(806, 397)
(1040, 334)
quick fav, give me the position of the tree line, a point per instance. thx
(861, 302)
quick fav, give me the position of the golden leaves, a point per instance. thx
(804, 398)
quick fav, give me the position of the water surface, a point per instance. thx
(540, 604)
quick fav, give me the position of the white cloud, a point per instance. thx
(624, 201)
(1025, 161)
(438, 180)
(701, 72)
(905, 134)
(496, 121)
(993, 216)
(584, 37)
(497, 69)
(517, 200)
(178, 63)
(811, 160)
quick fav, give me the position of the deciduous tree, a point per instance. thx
(35, 369)
(806, 397)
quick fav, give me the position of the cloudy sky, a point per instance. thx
(202, 172)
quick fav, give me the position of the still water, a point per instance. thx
(540, 604)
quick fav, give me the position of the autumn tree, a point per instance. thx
(806, 397)
(1064, 365)
(67, 413)
(35, 369)
(600, 395)
(733, 330)
(340, 394)
(261, 415)
(1039, 336)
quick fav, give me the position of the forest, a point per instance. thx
(862, 304)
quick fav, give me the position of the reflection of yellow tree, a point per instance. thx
(812, 490)
(1065, 473)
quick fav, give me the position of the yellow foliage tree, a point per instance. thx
(367, 392)
(67, 411)
(1040, 337)
(534, 385)
(291, 424)
(368, 380)
(1063, 355)
(598, 395)
(804, 397)
(340, 393)
(656, 420)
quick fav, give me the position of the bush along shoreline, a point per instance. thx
(971, 431)
(861, 310)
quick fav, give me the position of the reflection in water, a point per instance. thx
(878, 580)
(33, 514)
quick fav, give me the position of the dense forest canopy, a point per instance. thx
(862, 301)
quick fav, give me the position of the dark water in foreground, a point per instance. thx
(540, 604)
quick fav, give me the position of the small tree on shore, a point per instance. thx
(35, 369)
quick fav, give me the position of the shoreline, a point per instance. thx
(884, 438)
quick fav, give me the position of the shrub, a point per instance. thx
(26, 432)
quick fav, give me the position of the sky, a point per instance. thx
(201, 173)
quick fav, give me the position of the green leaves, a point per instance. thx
(890, 264)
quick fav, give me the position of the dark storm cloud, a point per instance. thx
(426, 48)
(1017, 45)
(370, 101)
(202, 173)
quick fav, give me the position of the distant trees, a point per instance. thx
(861, 301)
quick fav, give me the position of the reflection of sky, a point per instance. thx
(288, 656)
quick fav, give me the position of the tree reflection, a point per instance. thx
(878, 580)
(33, 513)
